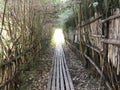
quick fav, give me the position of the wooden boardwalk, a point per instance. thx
(60, 78)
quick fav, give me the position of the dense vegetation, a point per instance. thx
(25, 27)
(96, 25)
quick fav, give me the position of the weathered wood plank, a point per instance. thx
(54, 76)
(51, 73)
(60, 78)
(62, 87)
(68, 74)
(57, 83)
(65, 76)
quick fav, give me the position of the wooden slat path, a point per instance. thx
(60, 78)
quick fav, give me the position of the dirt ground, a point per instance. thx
(40, 81)
(82, 78)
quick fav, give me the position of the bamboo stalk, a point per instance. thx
(111, 41)
(99, 71)
(3, 16)
(94, 48)
(96, 36)
(8, 81)
(87, 23)
(25, 28)
(111, 18)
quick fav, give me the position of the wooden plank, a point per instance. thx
(68, 74)
(51, 72)
(54, 76)
(57, 82)
(65, 76)
(61, 77)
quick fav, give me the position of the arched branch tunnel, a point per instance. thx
(91, 30)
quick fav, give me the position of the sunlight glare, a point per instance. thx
(58, 36)
(63, 0)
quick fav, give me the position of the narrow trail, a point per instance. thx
(81, 78)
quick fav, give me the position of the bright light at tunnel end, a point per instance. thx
(63, 0)
(58, 36)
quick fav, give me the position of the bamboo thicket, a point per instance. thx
(23, 28)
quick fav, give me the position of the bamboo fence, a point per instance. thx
(98, 30)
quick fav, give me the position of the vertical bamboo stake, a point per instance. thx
(80, 37)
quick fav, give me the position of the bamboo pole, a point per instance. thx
(87, 23)
(110, 18)
(111, 41)
(99, 71)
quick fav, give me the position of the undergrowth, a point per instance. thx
(25, 79)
